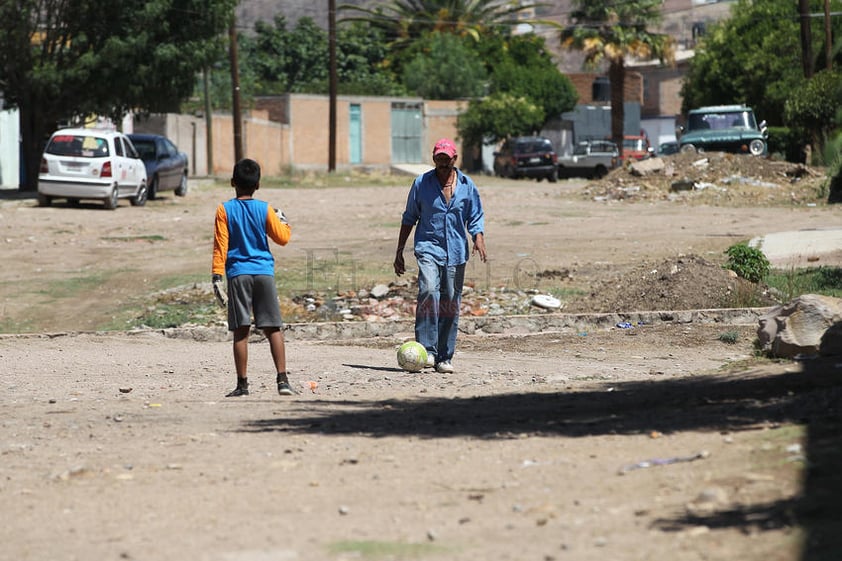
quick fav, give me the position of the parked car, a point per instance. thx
(166, 166)
(723, 128)
(592, 159)
(95, 164)
(526, 156)
(636, 147)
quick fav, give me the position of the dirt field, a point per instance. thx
(664, 440)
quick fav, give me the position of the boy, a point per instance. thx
(241, 253)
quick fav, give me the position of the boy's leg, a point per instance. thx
(278, 348)
(241, 358)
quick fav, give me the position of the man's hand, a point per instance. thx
(219, 290)
(479, 247)
(281, 216)
(400, 266)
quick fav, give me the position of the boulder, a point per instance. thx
(645, 167)
(799, 327)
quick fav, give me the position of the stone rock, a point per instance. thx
(799, 327)
(649, 166)
(379, 291)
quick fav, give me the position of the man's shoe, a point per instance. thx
(283, 385)
(444, 367)
(431, 360)
(238, 391)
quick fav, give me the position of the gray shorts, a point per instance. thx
(253, 293)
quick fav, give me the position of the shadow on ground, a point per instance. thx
(735, 402)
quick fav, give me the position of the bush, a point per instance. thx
(748, 262)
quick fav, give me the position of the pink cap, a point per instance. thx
(444, 146)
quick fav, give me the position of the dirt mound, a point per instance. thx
(714, 178)
(684, 283)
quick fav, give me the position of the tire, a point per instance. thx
(600, 171)
(561, 172)
(757, 147)
(44, 200)
(553, 177)
(112, 200)
(141, 197)
(182, 188)
(688, 149)
(153, 189)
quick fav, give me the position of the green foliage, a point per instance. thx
(444, 67)
(788, 143)
(498, 116)
(813, 280)
(748, 262)
(729, 337)
(813, 107)
(833, 153)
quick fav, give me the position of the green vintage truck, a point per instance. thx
(723, 128)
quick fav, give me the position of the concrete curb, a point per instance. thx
(522, 324)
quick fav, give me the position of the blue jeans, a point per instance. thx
(437, 311)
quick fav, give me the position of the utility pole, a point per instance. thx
(235, 92)
(806, 38)
(827, 41)
(208, 119)
(331, 24)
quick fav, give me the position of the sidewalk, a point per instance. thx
(802, 248)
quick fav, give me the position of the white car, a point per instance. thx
(91, 164)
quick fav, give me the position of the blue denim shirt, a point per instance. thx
(440, 228)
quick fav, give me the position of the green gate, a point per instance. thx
(406, 133)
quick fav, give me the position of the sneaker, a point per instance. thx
(283, 385)
(431, 360)
(238, 391)
(444, 367)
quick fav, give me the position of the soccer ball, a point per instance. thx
(412, 356)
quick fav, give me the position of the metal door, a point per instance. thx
(355, 134)
(406, 133)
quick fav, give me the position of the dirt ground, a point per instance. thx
(664, 440)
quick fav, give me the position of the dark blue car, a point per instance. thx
(166, 166)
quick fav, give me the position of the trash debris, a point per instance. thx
(624, 325)
(663, 462)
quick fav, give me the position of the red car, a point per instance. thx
(636, 148)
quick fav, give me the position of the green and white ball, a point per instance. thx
(412, 356)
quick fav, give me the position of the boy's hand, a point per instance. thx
(219, 291)
(281, 216)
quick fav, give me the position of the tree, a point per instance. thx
(63, 61)
(612, 32)
(444, 67)
(404, 21)
(815, 106)
(498, 116)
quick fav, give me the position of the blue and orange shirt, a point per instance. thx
(241, 236)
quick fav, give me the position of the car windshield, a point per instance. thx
(145, 148)
(722, 120)
(536, 145)
(81, 146)
(633, 144)
(580, 150)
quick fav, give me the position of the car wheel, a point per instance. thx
(561, 172)
(112, 200)
(757, 147)
(553, 177)
(73, 202)
(142, 195)
(181, 190)
(600, 171)
(44, 200)
(153, 189)
(688, 149)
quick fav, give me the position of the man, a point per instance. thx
(444, 207)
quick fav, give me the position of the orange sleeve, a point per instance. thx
(220, 241)
(277, 230)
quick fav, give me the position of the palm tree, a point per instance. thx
(406, 20)
(612, 31)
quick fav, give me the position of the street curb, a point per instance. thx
(470, 325)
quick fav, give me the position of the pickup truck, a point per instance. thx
(592, 159)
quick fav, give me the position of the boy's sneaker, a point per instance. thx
(241, 389)
(444, 367)
(283, 385)
(431, 360)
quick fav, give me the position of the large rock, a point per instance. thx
(799, 327)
